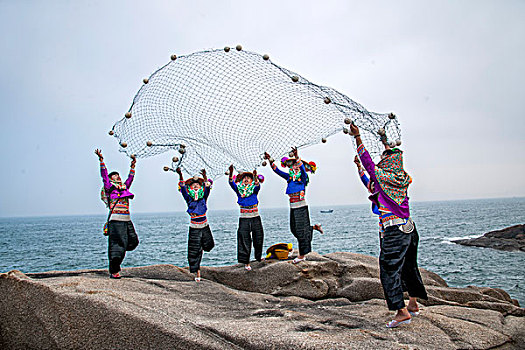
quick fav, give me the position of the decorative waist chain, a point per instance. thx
(405, 225)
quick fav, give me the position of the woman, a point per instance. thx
(247, 185)
(116, 195)
(195, 192)
(398, 268)
(297, 179)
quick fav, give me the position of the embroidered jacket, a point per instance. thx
(293, 186)
(380, 198)
(196, 208)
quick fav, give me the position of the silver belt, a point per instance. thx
(405, 225)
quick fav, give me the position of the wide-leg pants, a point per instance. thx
(398, 267)
(121, 238)
(301, 228)
(199, 239)
(250, 231)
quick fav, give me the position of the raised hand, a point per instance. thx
(357, 161)
(203, 173)
(179, 171)
(99, 154)
(295, 152)
(354, 130)
(266, 155)
(133, 161)
(230, 169)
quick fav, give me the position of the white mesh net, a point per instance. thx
(220, 107)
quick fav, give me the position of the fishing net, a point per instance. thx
(227, 106)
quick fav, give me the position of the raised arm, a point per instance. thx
(131, 175)
(275, 168)
(207, 185)
(364, 179)
(304, 175)
(182, 186)
(367, 161)
(103, 170)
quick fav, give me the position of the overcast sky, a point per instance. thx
(452, 71)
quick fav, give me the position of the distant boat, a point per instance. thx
(327, 211)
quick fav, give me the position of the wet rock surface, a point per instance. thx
(508, 239)
(332, 301)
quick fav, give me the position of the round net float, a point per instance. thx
(327, 100)
(266, 57)
(166, 168)
(271, 160)
(173, 57)
(226, 49)
(345, 131)
(392, 116)
(398, 142)
(348, 121)
(238, 47)
(145, 80)
(149, 143)
(381, 131)
(128, 115)
(323, 140)
(226, 173)
(123, 144)
(111, 132)
(207, 183)
(290, 154)
(295, 78)
(182, 150)
(392, 143)
(175, 159)
(195, 177)
(264, 163)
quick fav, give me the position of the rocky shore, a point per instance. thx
(331, 301)
(508, 239)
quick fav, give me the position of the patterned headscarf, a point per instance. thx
(295, 176)
(392, 178)
(245, 190)
(196, 195)
(104, 196)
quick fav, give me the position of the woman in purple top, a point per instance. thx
(121, 232)
(398, 235)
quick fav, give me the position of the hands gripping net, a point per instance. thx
(220, 107)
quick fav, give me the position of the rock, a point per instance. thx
(331, 301)
(509, 239)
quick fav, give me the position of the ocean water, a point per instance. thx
(76, 242)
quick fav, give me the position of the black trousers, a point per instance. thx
(301, 228)
(121, 238)
(199, 239)
(250, 231)
(398, 267)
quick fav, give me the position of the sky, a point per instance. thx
(452, 71)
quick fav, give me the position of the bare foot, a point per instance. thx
(402, 315)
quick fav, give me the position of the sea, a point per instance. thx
(36, 244)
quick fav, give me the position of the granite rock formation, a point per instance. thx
(508, 239)
(332, 301)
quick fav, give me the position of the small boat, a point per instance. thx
(327, 211)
